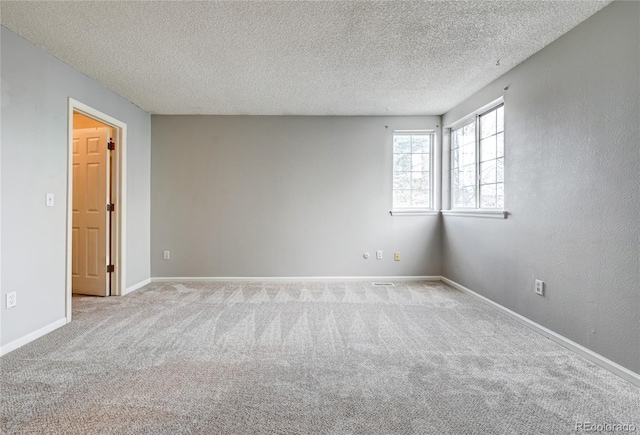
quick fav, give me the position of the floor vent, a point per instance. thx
(383, 284)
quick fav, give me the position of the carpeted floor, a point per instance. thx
(289, 358)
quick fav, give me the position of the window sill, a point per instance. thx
(414, 212)
(493, 214)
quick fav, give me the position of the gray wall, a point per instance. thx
(573, 190)
(252, 196)
(35, 89)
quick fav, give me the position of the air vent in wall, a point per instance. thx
(383, 284)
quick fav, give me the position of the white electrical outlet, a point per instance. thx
(167, 255)
(539, 288)
(396, 256)
(378, 255)
(12, 300)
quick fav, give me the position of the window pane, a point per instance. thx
(420, 143)
(488, 196)
(468, 175)
(456, 198)
(488, 124)
(455, 178)
(467, 198)
(500, 170)
(420, 162)
(468, 133)
(464, 198)
(401, 143)
(468, 154)
(488, 149)
(456, 139)
(402, 162)
(401, 198)
(500, 192)
(455, 160)
(488, 172)
(477, 162)
(500, 145)
(412, 169)
(420, 180)
(420, 198)
(401, 180)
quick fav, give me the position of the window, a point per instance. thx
(477, 161)
(412, 170)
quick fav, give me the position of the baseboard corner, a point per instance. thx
(136, 286)
(596, 358)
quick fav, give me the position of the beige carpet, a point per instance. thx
(294, 358)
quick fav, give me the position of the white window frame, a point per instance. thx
(415, 211)
(477, 211)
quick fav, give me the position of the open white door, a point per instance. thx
(90, 227)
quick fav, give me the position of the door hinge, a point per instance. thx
(111, 146)
(111, 207)
(111, 268)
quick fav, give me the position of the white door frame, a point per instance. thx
(119, 183)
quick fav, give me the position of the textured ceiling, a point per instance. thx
(294, 57)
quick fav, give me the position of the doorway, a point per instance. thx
(95, 204)
(92, 206)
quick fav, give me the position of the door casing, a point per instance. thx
(119, 183)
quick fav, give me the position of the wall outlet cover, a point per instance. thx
(12, 300)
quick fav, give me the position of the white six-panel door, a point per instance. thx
(90, 238)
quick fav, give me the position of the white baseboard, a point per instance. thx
(596, 358)
(136, 286)
(33, 336)
(296, 278)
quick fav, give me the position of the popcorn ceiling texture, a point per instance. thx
(295, 58)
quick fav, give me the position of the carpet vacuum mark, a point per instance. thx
(297, 358)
